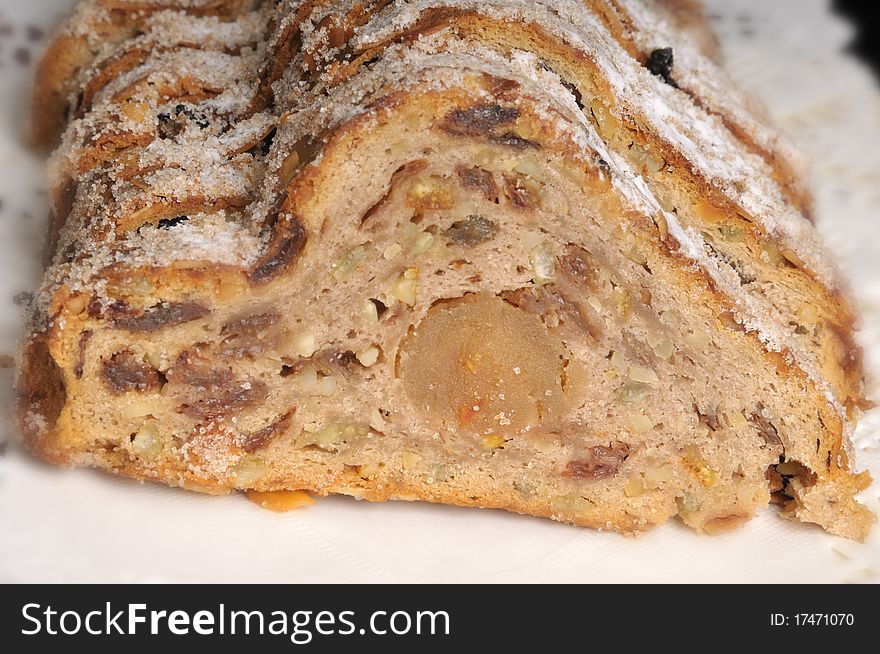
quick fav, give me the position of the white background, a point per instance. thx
(84, 526)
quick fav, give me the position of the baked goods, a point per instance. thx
(540, 256)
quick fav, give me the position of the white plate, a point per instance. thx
(85, 526)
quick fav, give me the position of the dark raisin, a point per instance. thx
(710, 419)
(265, 145)
(602, 461)
(478, 121)
(577, 265)
(200, 119)
(84, 339)
(168, 223)
(162, 315)
(766, 429)
(517, 191)
(511, 140)
(261, 438)
(283, 250)
(660, 63)
(250, 325)
(472, 231)
(221, 398)
(479, 180)
(578, 98)
(125, 372)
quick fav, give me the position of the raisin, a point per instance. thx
(125, 372)
(578, 267)
(199, 118)
(162, 315)
(511, 140)
(168, 127)
(265, 145)
(575, 92)
(284, 249)
(520, 192)
(84, 339)
(766, 429)
(168, 223)
(660, 63)
(206, 392)
(479, 180)
(250, 325)
(481, 120)
(472, 231)
(602, 461)
(226, 397)
(261, 438)
(708, 419)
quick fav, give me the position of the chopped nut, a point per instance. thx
(688, 504)
(646, 161)
(634, 486)
(333, 436)
(695, 462)
(524, 489)
(348, 262)
(147, 442)
(492, 442)
(792, 257)
(138, 409)
(543, 261)
(621, 299)
(307, 379)
(422, 244)
(656, 475)
(807, 314)
(640, 422)
(662, 346)
(368, 356)
(370, 313)
(571, 504)
(248, 471)
(377, 421)
(392, 251)
(618, 361)
(280, 501)
(697, 339)
(731, 233)
(735, 420)
(327, 386)
(304, 344)
(643, 375)
(368, 471)
(632, 392)
(405, 288)
(410, 460)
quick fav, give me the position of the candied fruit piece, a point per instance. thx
(480, 364)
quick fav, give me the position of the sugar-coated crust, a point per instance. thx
(205, 183)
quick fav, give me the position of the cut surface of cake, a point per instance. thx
(530, 255)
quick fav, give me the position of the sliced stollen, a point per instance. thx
(538, 256)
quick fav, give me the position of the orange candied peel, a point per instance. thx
(280, 501)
